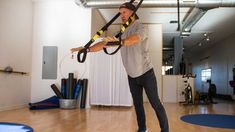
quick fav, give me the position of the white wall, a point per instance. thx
(97, 22)
(221, 60)
(155, 49)
(63, 24)
(15, 51)
(173, 86)
(170, 83)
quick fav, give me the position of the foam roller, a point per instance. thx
(77, 89)
(84, 92)
(70, 87)
(63, 88)
(57, 92)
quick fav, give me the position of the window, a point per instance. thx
(206, 75)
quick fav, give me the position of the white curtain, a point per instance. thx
(108, 80)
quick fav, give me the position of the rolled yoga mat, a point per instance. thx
(75, 81)
(63, 88)
(57, 92)
(50, 103)
(70, 86)
(84, 91)
(77, 89)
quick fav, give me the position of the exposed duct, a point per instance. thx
(200, 7)
(191, 20)
(158, 3)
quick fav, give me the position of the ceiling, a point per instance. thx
(218, 23)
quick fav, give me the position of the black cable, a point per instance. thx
(178, 8)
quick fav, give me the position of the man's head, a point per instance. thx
(126, 10)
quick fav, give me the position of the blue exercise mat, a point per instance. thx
(14, 127)
(211, 120)
(50, 103)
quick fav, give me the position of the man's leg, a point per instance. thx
(150, 85)
(137, 95)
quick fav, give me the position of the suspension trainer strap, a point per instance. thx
(123, 28)
(97, 35)
(81, 56)
(114, 43)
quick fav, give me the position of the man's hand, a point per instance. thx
(110, 39)
(76, 49)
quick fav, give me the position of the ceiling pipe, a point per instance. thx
(81, 2)
(200, 7)
(191, 20)
(102, 4)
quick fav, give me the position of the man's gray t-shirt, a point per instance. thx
(136, 58)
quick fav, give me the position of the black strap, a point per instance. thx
(123, 28)
(97, 35)
(114, 43)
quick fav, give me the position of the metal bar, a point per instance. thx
(101, 4)
(17, 72)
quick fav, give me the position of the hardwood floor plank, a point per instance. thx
(113, 119)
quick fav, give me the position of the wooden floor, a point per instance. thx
(113, 119)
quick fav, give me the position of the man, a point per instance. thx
(135, 57)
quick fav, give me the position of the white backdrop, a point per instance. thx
(108, 81)
(155, 49)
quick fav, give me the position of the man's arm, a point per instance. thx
(97, 47)
(94, 48)
(131, 40)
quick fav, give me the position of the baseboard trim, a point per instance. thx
(13, 107)
(224, 97)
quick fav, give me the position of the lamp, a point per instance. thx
(206, 37)
(185, 34)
